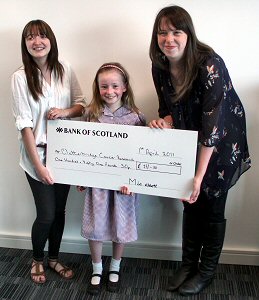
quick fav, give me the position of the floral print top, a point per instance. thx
(212, 108)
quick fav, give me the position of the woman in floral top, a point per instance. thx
(195, 92)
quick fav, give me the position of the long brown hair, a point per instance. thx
(31, 68)
(194, 53)
(95, 108)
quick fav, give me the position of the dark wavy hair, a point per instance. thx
(96, 105)
(195, 51)
(30, 66)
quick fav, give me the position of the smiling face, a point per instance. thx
(38, 46)
(111, 86)
(171, 41)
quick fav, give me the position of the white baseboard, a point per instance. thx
(136, 250)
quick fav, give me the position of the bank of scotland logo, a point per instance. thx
(59, 129)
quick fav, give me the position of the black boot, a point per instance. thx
(212, 246)
(191, 247)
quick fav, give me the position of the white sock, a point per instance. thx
(114, 266)
(97, 269)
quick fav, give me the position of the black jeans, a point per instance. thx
(207, 209)
(50, 201)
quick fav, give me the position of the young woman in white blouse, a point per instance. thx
(43, 89)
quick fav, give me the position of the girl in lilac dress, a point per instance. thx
(110, 215)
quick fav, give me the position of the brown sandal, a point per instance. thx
(63, 271)
(38, 273)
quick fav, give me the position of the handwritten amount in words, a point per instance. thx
(173, 166)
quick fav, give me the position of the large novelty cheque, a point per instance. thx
(148, 161)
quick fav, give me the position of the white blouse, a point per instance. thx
(30, 113)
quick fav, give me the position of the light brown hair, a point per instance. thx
(95, 108)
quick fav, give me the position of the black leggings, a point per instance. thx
(208, 209)
(50, 201)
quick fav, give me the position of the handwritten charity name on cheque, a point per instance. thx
(148, 161)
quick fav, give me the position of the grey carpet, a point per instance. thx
(141, 279)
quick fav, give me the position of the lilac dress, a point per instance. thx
(109, 215)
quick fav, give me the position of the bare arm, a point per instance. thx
(72, 112)
(31, 149)
(203, 161)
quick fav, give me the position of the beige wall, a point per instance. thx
(90, 33)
